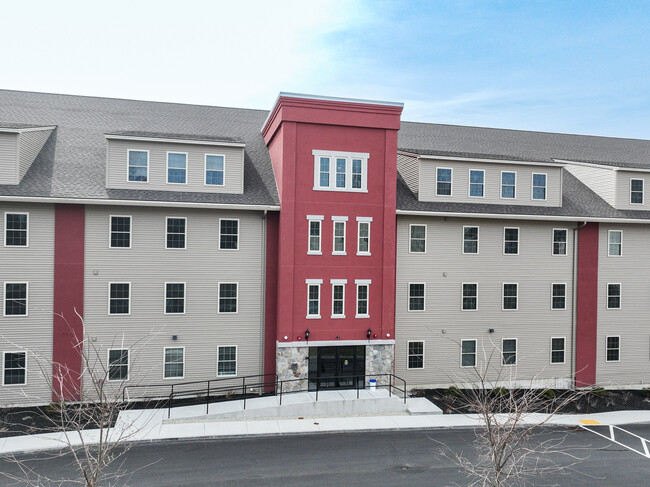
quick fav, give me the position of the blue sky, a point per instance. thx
(561, 66)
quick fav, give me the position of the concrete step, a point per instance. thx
(421, 405)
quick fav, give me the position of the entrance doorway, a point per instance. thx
(336, 367)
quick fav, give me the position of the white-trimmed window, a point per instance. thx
(468, 353)
(510, 291)
(557, 350)
(315, 223)
(174, 363)
(340, 171)
(215, 169)
(228, 234)
(15, 299)
(14, 368)
(614, 243)
(338, 240)
(177, 168)
(363, 235)
(613, 349)
(559, 241)
(415, 353)
(470, 240)
(613, 296)
(636, 191)
(509, 351)
(539, 186)
(338, 297)
(558, 296)
(118, 364)
(16, 229)
(227, 361)
(174, 298)
(119, 298)
(176, 229)
(418, 238)
(416, 296)
(228, 297)
(120, 237)
(138, 166)
(508, 185)
(313, 297)
(476, 183)
(470, 296)
(363, 298)
(511, 241)
(443, 181)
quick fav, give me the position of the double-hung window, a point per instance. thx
(418, 238)
(120, 232)
(15, 298)
(511, 241)
(476, 183)
(138, 167)
(470, 296)
(214, 169)
(338, 247)
(363, 235)
(340, 171)
(315, 223)
(176, 232)
(363, 291)
(613, 349)
(558, 296)
(174, 298)
(557, 350)
(443, 181)
(16, 229)
(174, 366)
(559, 241)
(228, 297)
(118, 364)
(119, 298)
(614, 243)
(338, 297)
(228, 234)
(510, 291)
(226, 361)
(613, 296)
(177, 167)
(416, 296)
(468, 353)
(313, 297)
(470, 240)
(636, 191)
(539, 186)
(509, 351)
(14, 368)
(415, 355)
(508, 185)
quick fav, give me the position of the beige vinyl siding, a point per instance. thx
(409, 167)
(117, 166)
(601, 180)
(492, 183)
(630, 322)
(442, 326)
(147, 265)
(30, 144)
(8, 158)
(623, 190)
(34, 265)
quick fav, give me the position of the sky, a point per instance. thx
(560, 66)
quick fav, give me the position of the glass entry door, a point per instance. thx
(336, 367)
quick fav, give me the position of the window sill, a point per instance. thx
(339, 253)
(362, 316)
(314, 253)
(313, 317)
(364, 254)
(341, 190)
(337, 317)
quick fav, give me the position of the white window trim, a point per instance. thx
(607, 348)
(165, 300)
(362, 282)
(532, 186)
(408, 346)
(462, 296)
(565, 296)
(408, 298)
(475, 353)
(205, 170)
(359, 223)
(518, 240)
(108, 365)
(219, 298)
(128, 165)
(165, 363)
(4, 298)
(27, 230)
(425, 237)
(187, 169)
(503, 296)
(109, 298)
(236, 360)
(620, 294)
(451, 182)
(314, 282)
(3, 367)
(238, 233)
(317, 219)
(516, 352)
(338, 282)
(514, 197)
(167, 218)
(550, 358)
(478, 240)
(469, 183)
(609, 233)
(642, 191)
(110, 231)
(333, 155)
(566, 231)
(336, 219)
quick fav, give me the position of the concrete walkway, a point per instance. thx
(336, 413)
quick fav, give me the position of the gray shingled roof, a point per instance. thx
(72, 163)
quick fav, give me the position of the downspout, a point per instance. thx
(574, 301)
(263, 299)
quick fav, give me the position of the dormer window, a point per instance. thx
(177, 168)
(214, 169)
(508, 184)
(636, 191)
(443, 181)
(138, 166)
(340, 171)
(539, 186)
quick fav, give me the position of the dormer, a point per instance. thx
(174, 162)
(19, 146)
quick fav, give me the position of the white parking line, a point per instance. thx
(612, 437)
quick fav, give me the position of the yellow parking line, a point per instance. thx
(588, 421)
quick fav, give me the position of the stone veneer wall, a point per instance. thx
(380, 360)
(292, 363)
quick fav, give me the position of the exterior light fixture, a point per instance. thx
(491, 330)
(369, 333)
(307, 334)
